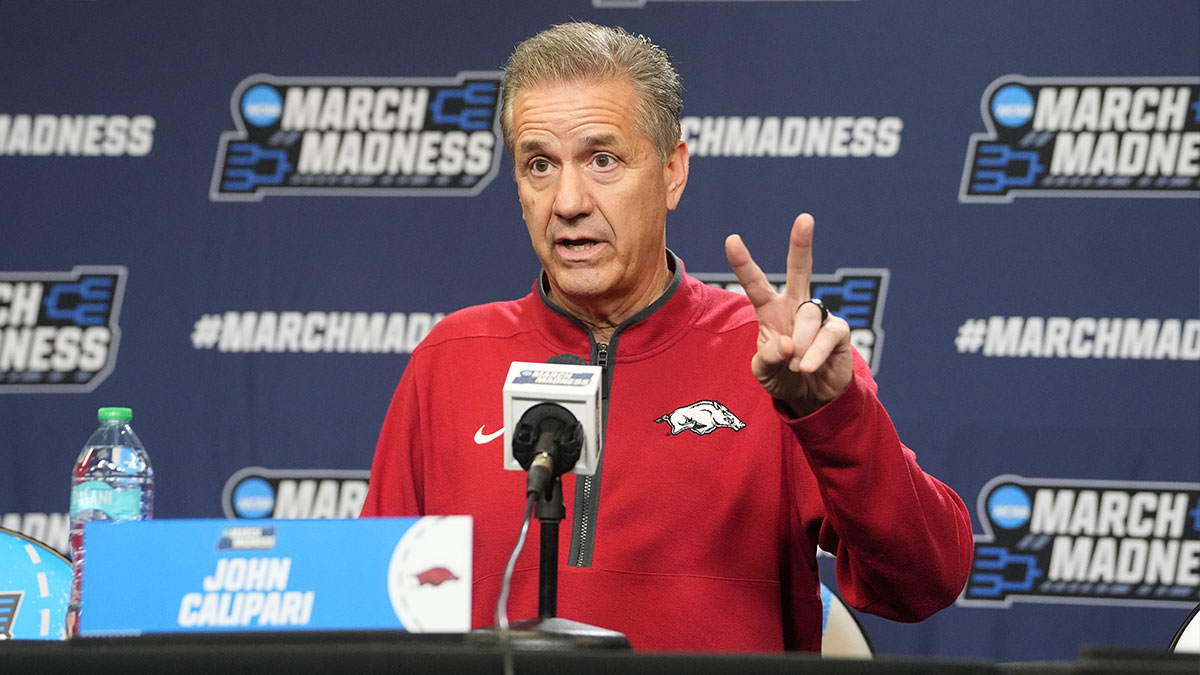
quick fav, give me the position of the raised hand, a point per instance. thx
(804, 356)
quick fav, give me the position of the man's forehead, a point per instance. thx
(570, 93)
(590, 113)
(588, 140)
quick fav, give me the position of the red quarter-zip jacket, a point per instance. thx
(698, 532)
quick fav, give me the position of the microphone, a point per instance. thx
(552, 420)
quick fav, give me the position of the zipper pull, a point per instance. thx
(602, 355)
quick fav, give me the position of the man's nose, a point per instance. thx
(573, 197)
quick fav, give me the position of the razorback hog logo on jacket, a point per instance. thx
(702, 417)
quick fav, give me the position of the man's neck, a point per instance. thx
(602, 316)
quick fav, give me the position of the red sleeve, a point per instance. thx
(902, 538)
(397, 475)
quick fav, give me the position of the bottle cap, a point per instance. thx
(119, 414)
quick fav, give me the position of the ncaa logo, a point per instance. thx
(1009, 507)
(262, 105)
(253, 498)
(1012, 106)
(1056, 540)
(58, 330)
(255, 492)
(1085, 137)
(321, 136)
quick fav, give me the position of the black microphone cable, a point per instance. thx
(505, 638)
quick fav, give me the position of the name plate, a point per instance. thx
(175, 576)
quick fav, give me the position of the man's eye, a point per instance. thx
(604, 161)
(539, 166)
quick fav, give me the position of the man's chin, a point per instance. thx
(580, 285)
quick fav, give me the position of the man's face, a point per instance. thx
(594, 194)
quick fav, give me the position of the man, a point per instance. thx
(692, 535)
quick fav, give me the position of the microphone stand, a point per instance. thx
(550, 513)
(548, 631)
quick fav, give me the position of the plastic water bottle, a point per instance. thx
(113, 481)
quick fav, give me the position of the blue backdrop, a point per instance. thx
(237, 218)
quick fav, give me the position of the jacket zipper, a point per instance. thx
(587, 481)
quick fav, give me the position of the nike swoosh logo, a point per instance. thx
(482, 438)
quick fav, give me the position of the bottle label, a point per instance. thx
(117, 504)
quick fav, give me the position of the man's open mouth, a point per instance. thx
(578, 244)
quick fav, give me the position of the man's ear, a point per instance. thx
(676, 170)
